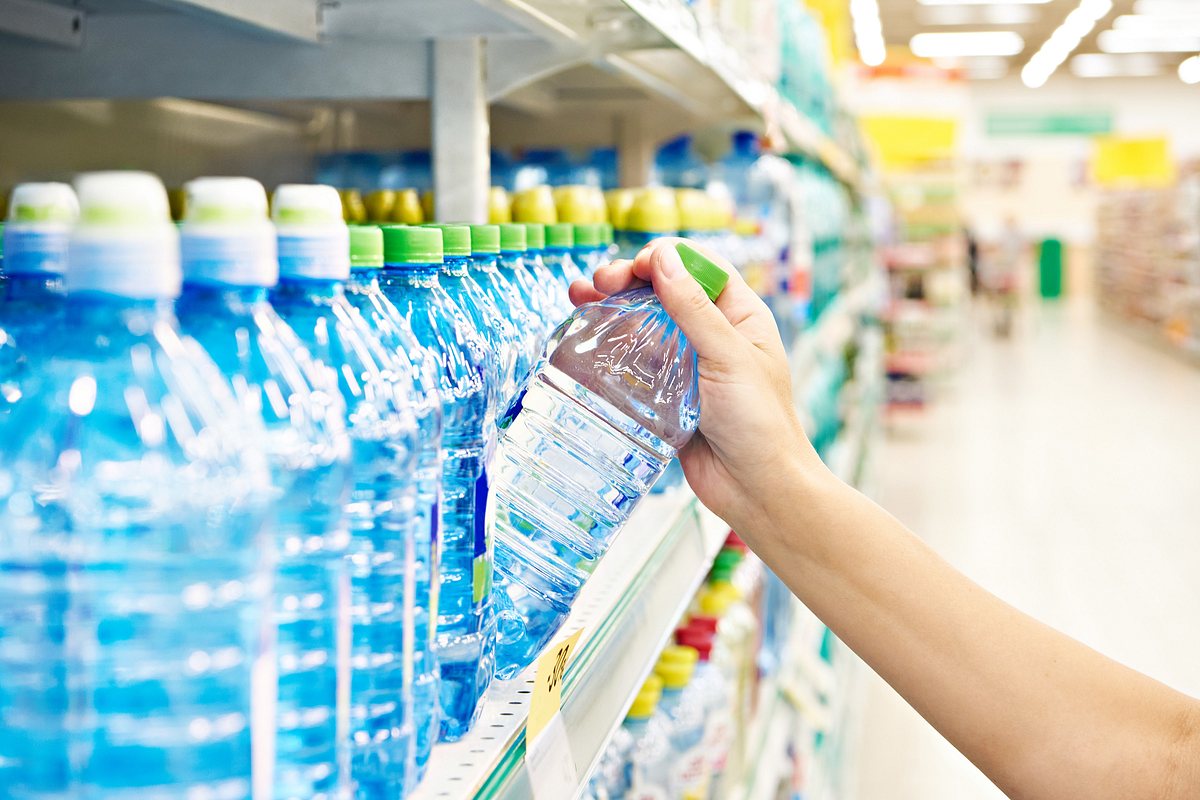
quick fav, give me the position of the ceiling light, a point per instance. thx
(1126, 42)
(868, 32)
(1006, 14)
(971, 43)
(1066, 37)
(1189, 70)
(1174, 8)
(1103, 65)
(1147, 24)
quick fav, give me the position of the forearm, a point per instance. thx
(1039, 713)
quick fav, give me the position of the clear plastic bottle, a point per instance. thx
(558, 304)
(229, 264)
(420, 386)
(589, 251)
(135, 570)
(715, 696)
(485, 258)
(314, 265)
(514, 242)
(466, 623)
(685, 710)
(648, 767)
(613, 399)
(560, 239)
(31, 300)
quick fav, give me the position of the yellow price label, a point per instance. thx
(546, 699)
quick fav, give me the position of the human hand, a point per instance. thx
(750, 444)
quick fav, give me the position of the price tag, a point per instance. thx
(552, 771)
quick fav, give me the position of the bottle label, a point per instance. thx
(643, 789)
(690, 773)
(485, 512)
(435, 522)
(718, 737)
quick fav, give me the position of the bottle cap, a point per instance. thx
(125, 243)
(499, 208)
(456, 240)
(619, 202)
(485, 239)
(513, 237)
(646, 700)
(40, 216)
(534, 205)
(707, 272)
(704, 623)
(366, 247)
(693, 209)
(428, 204)
(577, 204)
(587, 235)
(404, 244)
(381, 204)
(313, 239)
(676, 665)
(561, 234)
(699, 639)
(407, 210)
(353, 207)
(716, 599)
(729, 557)
(535, 236)
(225, 236)
(654, 210)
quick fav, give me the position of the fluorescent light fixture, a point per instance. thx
(1189, 70)
(1104, 65)
(1151, 24)
(967, 44)
(1167, 8)
(1126, 42)
(868, 31)
(1006, 14)
(1066, 37)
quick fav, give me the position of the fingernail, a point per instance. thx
(672, 264)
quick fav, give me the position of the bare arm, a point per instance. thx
(1041, 714)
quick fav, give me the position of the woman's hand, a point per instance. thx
(750, 445)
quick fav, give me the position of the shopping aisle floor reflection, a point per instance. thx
(1059, 470)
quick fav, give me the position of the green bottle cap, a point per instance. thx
(513, 237)
(560, 234)
(727, 558)
(485, 239)
(366, 247)
(535, 235)
(456, 239)
(587, 235)
(404, 244)
(606, 233)
(707, 273)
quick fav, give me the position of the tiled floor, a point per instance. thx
(1061, 470)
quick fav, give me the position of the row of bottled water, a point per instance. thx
(279, 497)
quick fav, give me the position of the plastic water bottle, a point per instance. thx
(229, 263)
(648, 765)
(314, 264)
(557, 303)
(588, 443)
(685, 711)
(715, 697)
(420, 388)
(496, 332)
(588, 251)
(134, 571)
(466, 624)
(31, 301)
(514, 239)
(485, 258)
(560, 239)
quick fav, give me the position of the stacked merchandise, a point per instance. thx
(1148, 258)
(928, 287)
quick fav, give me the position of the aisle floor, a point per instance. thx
(1058, 469)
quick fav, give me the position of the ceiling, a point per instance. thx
(1034, 21)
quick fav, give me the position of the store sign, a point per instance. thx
(1053, 123)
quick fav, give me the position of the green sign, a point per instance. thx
(1051, 123)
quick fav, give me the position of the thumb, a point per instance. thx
(682, 297)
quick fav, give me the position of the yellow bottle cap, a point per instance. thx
(499, 210)
(535, 205)
(716, 599)
(353, 208)
(695, 210)
(380, 205)
(574, 205)
(676, 668)
(619, 202)
(654, 210)
(428, 205)
(647, 699)
(598, 207)
(407, 210)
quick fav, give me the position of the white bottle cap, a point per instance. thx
(314, 241)
(40, 216)
(226, 237)
(125, 243)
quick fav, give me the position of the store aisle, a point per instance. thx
(1059, 471)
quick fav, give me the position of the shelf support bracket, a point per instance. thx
(299, 20)
(461, 135)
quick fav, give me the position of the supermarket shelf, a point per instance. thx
(626, 612)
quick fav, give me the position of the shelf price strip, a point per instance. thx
(548, 758)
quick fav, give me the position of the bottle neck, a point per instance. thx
(512, 259)
(456, 266)
(222, 295)
(34, 286)
(417, 276)
(485, 262)
(295, 288)
(102, 310)
(365, 278)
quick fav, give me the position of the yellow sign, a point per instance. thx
(903, 141)
(546, 699)
(1139, 163)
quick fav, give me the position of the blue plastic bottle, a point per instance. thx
(466, 625)
(421, 390)
(314, 264)
(485, 258)
(31, 299)
(229, 263)
(134, 571)
(554, 295)
(588, 443)
(560, 239)
(513, 244)
(685, 710)
(588, 252)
